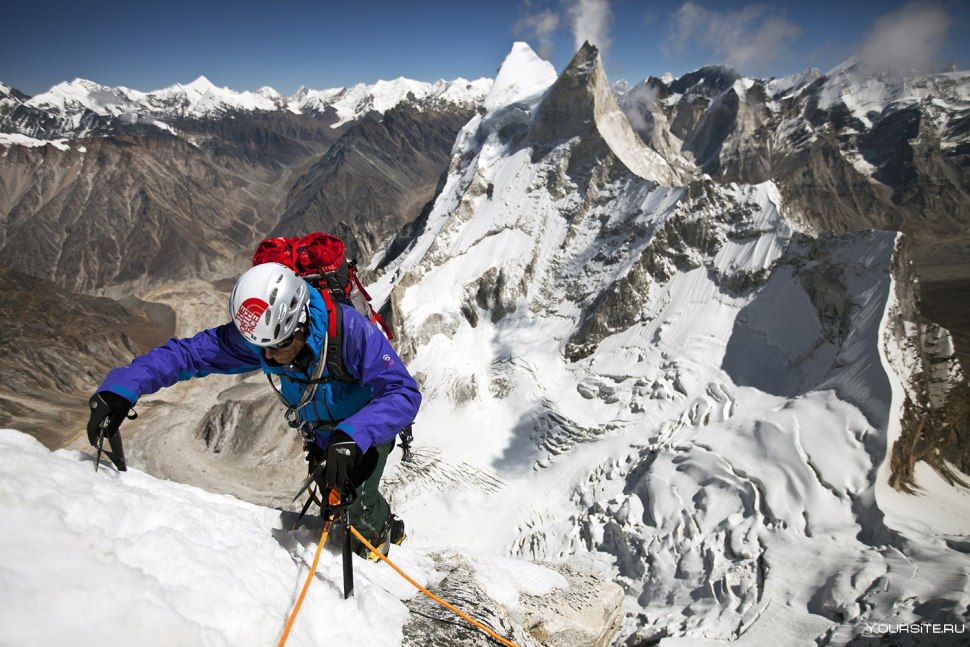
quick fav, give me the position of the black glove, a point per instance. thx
(342, 454)
(109, 409)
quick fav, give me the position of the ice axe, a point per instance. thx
(339, 501)
(117, 453)
(347, 497)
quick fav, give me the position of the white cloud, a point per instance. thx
(747, 38)
(539, 28)
(639, 105)
(590, 20)
(908, 39)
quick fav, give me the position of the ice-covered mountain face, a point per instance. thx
(668, 382)
(83, 108)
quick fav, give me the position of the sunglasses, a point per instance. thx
(286, 342)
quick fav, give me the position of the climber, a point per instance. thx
(283, 326)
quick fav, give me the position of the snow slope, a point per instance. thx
(111, 559)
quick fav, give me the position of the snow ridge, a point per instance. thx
(74, 103)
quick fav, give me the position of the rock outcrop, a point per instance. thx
(584, 612)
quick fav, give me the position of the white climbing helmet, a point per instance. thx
(267, 303)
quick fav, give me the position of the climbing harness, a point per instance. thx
(308, 392)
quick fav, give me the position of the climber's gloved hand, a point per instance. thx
(342, 454)
(108, 411)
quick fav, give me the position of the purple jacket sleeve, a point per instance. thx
(369, 358)
(216, 350)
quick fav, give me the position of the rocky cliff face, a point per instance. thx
(851, 149)
(581, 104)
(936, 397)
(127, 210)
(59, 346)
(375, 179)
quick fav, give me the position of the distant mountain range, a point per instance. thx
(81, 108)
(236, 140)
(881, 149)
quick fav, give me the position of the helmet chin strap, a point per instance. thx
(311, 388)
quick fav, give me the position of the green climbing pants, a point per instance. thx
(370, 511)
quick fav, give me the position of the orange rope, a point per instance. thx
(431, 595)
(334, 498)
(306, 585)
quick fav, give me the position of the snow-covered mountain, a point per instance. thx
(671, 385)
(353, 102)
(712, 114)
(643, 366)
(82, 108)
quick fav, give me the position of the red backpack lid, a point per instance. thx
(277, 250)
(320, 252)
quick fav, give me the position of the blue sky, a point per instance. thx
(247, 44)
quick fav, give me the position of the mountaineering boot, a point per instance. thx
(397, 530)
(391, 533)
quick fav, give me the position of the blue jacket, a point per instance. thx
(383, 399)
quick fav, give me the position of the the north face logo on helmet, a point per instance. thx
(249, 313)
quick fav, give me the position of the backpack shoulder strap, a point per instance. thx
(335, 340)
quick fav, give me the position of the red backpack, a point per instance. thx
(321, 259)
